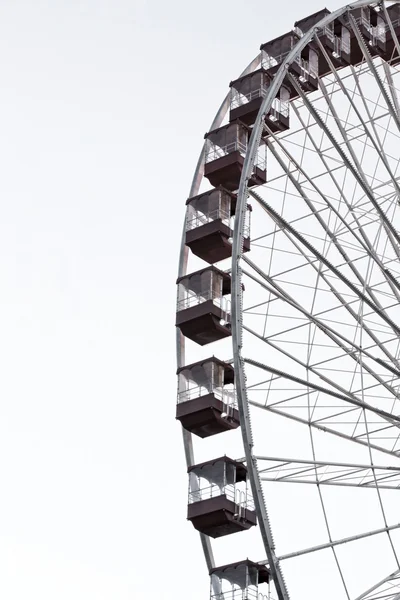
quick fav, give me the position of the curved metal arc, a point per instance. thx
(237, 249)
(182, 269)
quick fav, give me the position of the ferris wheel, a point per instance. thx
(288, 318)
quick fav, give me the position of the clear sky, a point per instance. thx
(103, 107)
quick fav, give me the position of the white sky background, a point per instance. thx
(103, 107)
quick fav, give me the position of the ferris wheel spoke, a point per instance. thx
(326, 429)
(317, 213)
(393, 89)
(365, 240)
(279, 292)
(387, 589)
(333, 235)
(360, 180)
(334, 543)
(376, 141)
(324, 376)
(380, 152)
(343, 133)
(373, 70)
(288, 229)
(376, 144)
(348, 347)
(294, 470)
(386, 432)
(368, 431)
(354, 156)
(352, 130)
(286, 226)
(348, 397)
(378, 491)
(350, 99)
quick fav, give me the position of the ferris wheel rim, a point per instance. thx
(182, 270)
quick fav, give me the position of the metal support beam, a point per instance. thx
(393, 419)
(333, 544)
(387, 589)
(292, 470)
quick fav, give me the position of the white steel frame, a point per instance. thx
(366, 304)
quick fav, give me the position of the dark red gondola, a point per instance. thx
(206, 398)
(203, 309)
(219, 499)
(247, 94)
(209, 225)
(226, 149)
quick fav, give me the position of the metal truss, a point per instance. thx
(387, 589)
(292, 470)
(334, 543)
(316, 333)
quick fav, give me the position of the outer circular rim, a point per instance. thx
(182, 270)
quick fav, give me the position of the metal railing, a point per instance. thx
(308, 68)
(238, 99)
(346, 44)
(363, 20)
(201, 219)
(328, 31)
(261, 158)
(205, 493)
(340, 43)
(279, 107)
(241, 498)
(228, 397)
(337, 47)
(268, 61)
(191, 299)
(249, 593)
(395, 24)
(378, 32)
(198, 218)
(214, 152)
